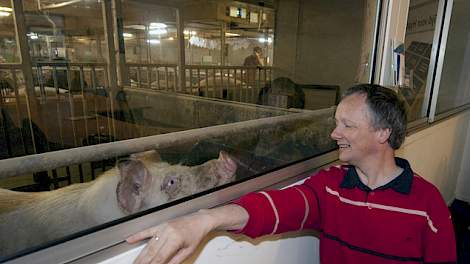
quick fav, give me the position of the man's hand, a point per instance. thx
(174, 241)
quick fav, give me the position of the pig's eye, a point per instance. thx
(171, 184)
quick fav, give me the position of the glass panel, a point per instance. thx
(70, 31)
(417, 51)
(276, 112)
(454, 89)
(9, 52)
(202, 42)
(149, 33)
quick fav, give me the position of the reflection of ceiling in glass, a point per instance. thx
(79, 18)
(69, 18)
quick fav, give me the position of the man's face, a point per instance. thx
(354, 134)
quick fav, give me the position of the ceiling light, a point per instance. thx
(187, 32)
(153, 41)
(139, 27)
(228, 34)
(4, 14)
(6, 9)
(157, 25)
(32, 35)
(127, 35)
(264, 40)
(159, 31)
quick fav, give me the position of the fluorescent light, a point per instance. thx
(139, 27)
(171, 38)
(228, 34)
(187, 32)
(4, 14)
(153, 41)
(127, 35)
(32, 35)
(264, 40)
(157, 25)
(158, 31)
(6, 9)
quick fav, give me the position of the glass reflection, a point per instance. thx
(79, 97)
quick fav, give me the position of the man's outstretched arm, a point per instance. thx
(172, 242)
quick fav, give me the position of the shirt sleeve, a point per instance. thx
(290, 209)
(438, 237)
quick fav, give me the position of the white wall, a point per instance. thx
(437, 153)
(231, 250)
(319, 42)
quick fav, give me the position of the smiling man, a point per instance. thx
(373, 209)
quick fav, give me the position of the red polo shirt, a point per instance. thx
(404, 221)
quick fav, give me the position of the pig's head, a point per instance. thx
(147, 182)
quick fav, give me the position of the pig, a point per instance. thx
(143, 181)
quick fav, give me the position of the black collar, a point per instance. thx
(401, 184)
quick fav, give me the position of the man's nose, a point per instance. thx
(335, 134)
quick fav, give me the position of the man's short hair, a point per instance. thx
(257, 49)
(387, 110)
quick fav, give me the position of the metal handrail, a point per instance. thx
(227, 67)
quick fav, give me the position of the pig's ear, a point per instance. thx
(226, 166)
(149, 155)
(132, 185)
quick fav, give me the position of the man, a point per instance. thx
(254, 60)
(372, 210)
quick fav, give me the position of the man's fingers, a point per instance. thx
(145, 256)
(150, 232)
(165, 250)
(151, 252)
(181, 256)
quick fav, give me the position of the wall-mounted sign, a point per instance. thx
(237, 12)
(253, 17)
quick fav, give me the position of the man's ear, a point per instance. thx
(383, 134)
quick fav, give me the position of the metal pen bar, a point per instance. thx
(157, 73)
(221, 87)
(166, 77)
(84, 105)
(17, 97)
(72, 107)
(58, 108)
(139, 81)
(230, 86)
(95, 90)
(198, 82)
(214, 81)
(206, 88)
(175, 80)
(191, 81)
(149, 77)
